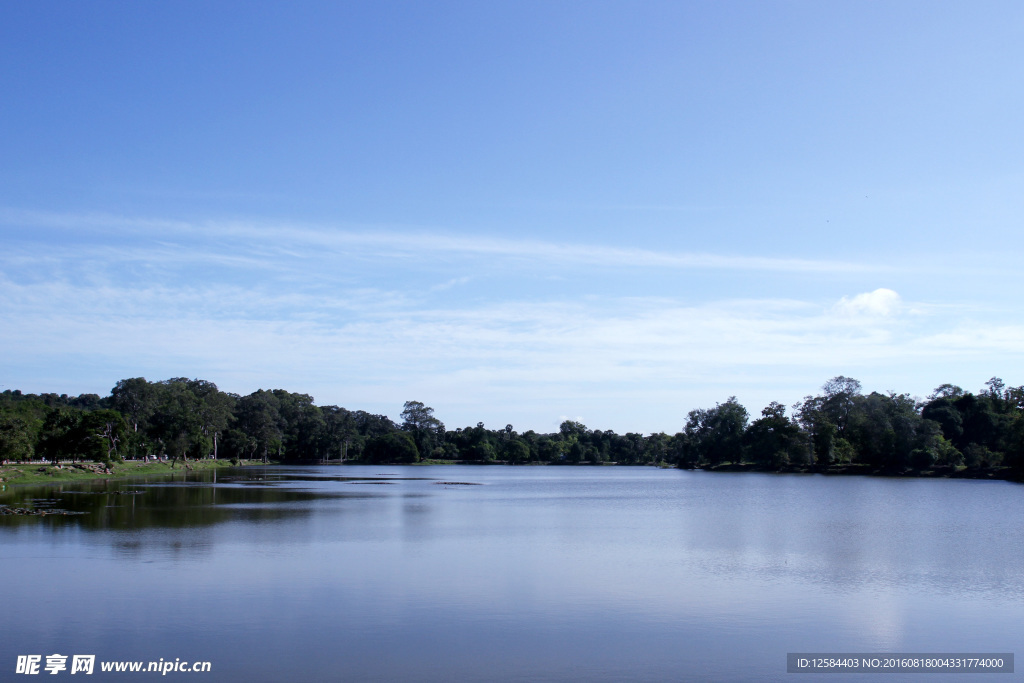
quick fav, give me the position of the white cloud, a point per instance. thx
(530, 349)
(881, 302)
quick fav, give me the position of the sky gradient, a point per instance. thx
(515, 212)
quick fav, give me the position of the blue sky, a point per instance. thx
(516, 212)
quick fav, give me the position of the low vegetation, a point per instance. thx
(84, 471)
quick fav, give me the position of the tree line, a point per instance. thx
(183, 418)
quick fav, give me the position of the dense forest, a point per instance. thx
(842, 427)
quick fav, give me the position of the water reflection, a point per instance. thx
(468, 573)
(180, 501)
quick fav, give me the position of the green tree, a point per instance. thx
(418, 419)
(177, 423)
(370, 425)
(136, 400)
(478, 444)
(943, 412)
(986, 420)
(60, 434)
(716, 434)
(773, 439)
(260, 420)
(392, 447)
(883, 430)
(572, 430)
(839, 401)
(549, 449)
(15, 439)
(215, 410)
(515, 451)
(813, 417)
(946, 391)
(103, 435)
(932, 448)
(657, 448)
(1015, 442)
(338, 432)
(302, 425)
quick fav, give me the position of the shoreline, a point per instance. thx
(944, 472)
(862, 470)
(37, 474)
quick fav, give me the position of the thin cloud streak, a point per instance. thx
(396, 243)
(301, 242)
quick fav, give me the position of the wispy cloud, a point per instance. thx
(369, 319)
(393, 242)
(256, 240)
(526, 350)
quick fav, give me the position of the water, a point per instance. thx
(510, 573)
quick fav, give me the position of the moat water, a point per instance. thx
(461, 573)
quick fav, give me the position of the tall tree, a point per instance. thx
(134, 398)
(838, 402)
(716, 434)
(177, 422)
(15, 439)
(338, 431)
(302, 425)
(260, 419)
(418, 419)
(215, 410)
(104, 433)
(773, 439)
(884, 429)
(60, 434)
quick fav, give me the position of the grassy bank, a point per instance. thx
(47, 474)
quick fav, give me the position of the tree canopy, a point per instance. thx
(841, 426)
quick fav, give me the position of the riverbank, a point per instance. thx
(88, 471)
(948, 472)
(85, 471)
(945, 472)
(938, 472)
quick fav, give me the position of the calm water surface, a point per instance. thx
(500, 573)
